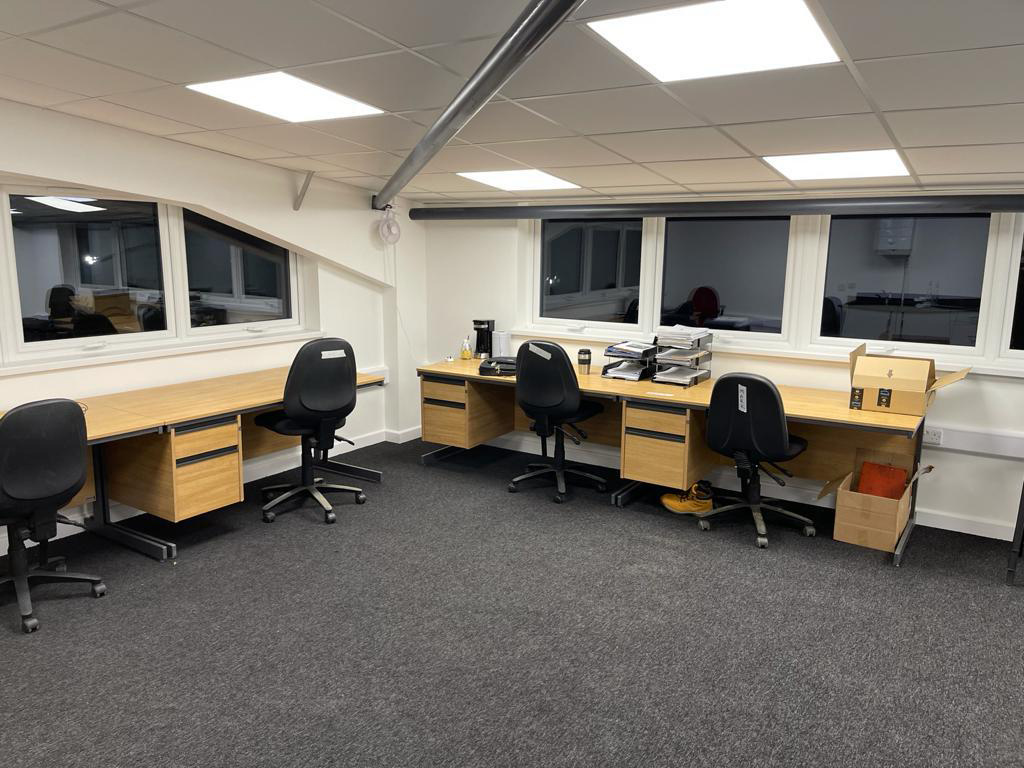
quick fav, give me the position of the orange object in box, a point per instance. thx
(882, 480)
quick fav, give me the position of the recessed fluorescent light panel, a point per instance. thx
(840, 165)
(724, 37)
(67, 204)
(519, 181)
(286, 97)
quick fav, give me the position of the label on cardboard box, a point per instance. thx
(884, 398)
(856, 398)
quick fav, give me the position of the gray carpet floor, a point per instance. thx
(448, 622)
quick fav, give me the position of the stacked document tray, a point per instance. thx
(683, 357)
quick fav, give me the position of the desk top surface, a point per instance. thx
(802, 403)
(140, 410)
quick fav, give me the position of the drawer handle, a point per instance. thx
(443, 403)
(226, 451)
(655, 435)
(659, 407)
(198, 426)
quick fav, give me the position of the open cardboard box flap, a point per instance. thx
(949, 378)
(833, 485)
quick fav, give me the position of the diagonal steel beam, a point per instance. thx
(534, 25)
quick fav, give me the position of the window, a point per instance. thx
(87, 267)
(233, 277)
(905, 278)
(1017, 328)
(727, 274)
(590, 270)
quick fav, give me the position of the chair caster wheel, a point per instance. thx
(762, 542)
(809, 530)
(29, 625)
(559, 498)
(512, 488)
(329, 518)
(360, 498)
(704, 525)
(99, 590)
(269, 517)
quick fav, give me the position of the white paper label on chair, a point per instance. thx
(538, 351)
(741, 397)
(330, 354)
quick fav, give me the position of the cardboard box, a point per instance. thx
(892, 384)
(871, 521)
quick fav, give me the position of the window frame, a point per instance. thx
(18, 356)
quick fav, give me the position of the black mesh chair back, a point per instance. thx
(321, 382)
(546, 385)
(746, 416)
(42, 457)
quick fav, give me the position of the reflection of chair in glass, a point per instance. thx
(92, 324)
(632, 311)
(151, 317)
(831, 316)
(59, 302)
(702, 306)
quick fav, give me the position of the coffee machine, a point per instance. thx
(484, 337)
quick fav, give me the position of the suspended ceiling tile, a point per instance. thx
(974, 179)
(958, 79)
(505, 121)
(674, 144)
(608, 175)
(615, 110)
(128, 41)
(844, 133)
(302, 164)
(295, 139)
(468, 158)
(881, 182)
(876, 28)
(595, 8)
(18, 17)
(115, 114)
(183, 105)
(716, 171)
(284, 34)
(37, 63)
(557, 153)
(415, 22)
(999, 124)
(463, 58)
(650, 189)
(374, 163)
(447, 182)
(741, 186)
(990, 158)
(378, 131)
(230, 145)
(394, 82)
(776, 95)
(33, 93)
(572, 60)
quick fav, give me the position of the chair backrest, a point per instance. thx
(546, 385)
(42, 457)
(321, 385)
(58, 301)
(746, 416)
(151, 317)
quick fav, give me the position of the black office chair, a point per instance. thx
(319, 393)
(549, 393)
(747, 423)
(42, 467)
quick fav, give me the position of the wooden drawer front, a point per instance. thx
(656, 420)
(440, 390)
(444, 423)
(657, 460)
(194, 442)
(202, 486)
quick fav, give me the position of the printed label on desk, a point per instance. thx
(884, 398)
(330, 354)
(856, 398)
(741, 397)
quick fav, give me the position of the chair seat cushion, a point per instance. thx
(797, 445)
(278, 421)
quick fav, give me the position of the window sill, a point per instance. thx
(168, 348)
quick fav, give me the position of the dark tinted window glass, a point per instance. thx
(1017, 331)
(591, 270)
(905, 278)
(725, 273)
(233, 277)
(94, 270)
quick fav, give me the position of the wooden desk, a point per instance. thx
(659, 428)
(177, 451)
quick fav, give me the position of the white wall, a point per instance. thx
(475, 266)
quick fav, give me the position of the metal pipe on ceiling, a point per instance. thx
(534, 25)
(835, 206)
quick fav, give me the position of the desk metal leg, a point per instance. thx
(901, 545)
(349, 470)
(1017, 549)
(101, 524)
(628, 493)
(440, 454)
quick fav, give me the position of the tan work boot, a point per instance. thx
(694, 500)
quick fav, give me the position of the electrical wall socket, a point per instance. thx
(932, 436)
